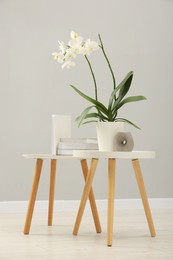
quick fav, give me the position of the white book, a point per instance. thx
(79, 140)
(77, 146)
(64, 152)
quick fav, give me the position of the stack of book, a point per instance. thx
(67, 145)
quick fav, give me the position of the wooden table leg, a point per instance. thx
(35, 184)
(51, 191)
(139, 178)
(91, 198)
(85, 195)
(111, 191)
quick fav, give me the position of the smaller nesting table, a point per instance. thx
(53, 163)
(134, 156)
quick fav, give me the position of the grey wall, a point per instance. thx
(137, 36)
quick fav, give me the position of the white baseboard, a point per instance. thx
(72, 205)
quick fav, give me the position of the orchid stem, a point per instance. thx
(95, 84)
(102, 47)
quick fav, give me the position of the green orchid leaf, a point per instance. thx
(126, 121)
(124, 86)
(90, 115)
(91, 121)
(114, 116)
(98, 105)
(113, 97)
(130, 99)
(96, 115)
(82, 116)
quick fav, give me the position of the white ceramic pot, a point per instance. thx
(106, 132)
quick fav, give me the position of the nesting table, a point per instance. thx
(40, 158)
(112, 157)
(94, 156)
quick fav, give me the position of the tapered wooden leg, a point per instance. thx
(111, 191)
(91, 198)
(139, 178)
(35, 184)
(85, 195)
(51, 191)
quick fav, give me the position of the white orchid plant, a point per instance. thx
(66, 55)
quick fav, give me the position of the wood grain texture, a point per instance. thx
(140, 181)
(91, 198)
(111, 191)
(38, 167)
(51, 191)
(85, 195)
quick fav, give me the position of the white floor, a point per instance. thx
(131, 237)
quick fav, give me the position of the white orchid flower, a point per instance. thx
(62, 47)
(75, 35)
(68, 64)
(58, 56)
(70, 54)
(89, 47)
(76, 44)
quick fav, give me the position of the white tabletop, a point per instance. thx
(48, 156)
(88, 154)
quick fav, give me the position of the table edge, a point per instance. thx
(89, 154)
